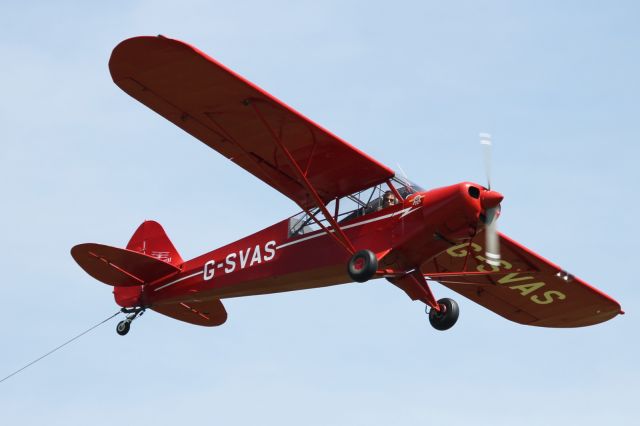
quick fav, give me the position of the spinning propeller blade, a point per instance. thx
(492, 241)
(485, 141)
(491, 202)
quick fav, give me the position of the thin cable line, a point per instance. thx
(59, 347)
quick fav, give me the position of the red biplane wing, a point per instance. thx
(240, 120)
(525, 288)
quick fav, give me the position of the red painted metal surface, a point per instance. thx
(211, 102)
(120, 267)
(525, 287)
(318, 201)
(207, 314)
(434, 234)
(150, 239)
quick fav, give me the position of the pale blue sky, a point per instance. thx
(556, 83)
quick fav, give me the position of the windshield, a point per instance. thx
(405, 187)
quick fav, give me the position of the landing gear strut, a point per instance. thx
(443, 313)
(446, 317)
(132, 313)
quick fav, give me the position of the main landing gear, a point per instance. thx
(132, 313)
(446, 317)
(443, 314)
(362, 266)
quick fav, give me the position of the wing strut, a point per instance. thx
(339, 236)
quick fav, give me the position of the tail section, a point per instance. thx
(149, 256)
(150, 239)
(209, 313)
(119, 267)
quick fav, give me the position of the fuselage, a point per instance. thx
(403, 236)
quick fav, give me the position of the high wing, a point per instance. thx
(240, 120)
(525, 288)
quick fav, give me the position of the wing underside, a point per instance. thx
(525, 288)
(240, 120)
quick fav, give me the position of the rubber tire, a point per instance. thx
(362, 266)
(123, 327)
(444, 320)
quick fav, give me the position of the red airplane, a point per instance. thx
(359, 220)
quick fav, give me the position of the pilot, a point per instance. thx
(388, 199)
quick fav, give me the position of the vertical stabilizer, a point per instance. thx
(151, 240)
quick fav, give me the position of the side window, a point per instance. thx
(302, 223)
(352, 206)
(361, 203)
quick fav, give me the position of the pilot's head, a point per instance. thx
(389, 199)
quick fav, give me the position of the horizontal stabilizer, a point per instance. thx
(208, 314)
(120, 267)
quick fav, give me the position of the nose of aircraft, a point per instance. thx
(490, 199)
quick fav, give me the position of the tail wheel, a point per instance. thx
(362, 266)
(447, 317)
(123, 327)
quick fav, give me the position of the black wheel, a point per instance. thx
(447, 317)
(362, 266)
(123, 327)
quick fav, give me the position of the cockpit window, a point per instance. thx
(352, 206)
(405, 187)
(364, 202)
(348, 208)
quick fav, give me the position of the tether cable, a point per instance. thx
(59, 347)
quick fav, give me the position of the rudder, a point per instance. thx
(151, 239)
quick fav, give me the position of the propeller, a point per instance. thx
(485, 141)
(490, 201)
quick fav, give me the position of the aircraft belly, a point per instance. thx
(198, 291)
(291, 282)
